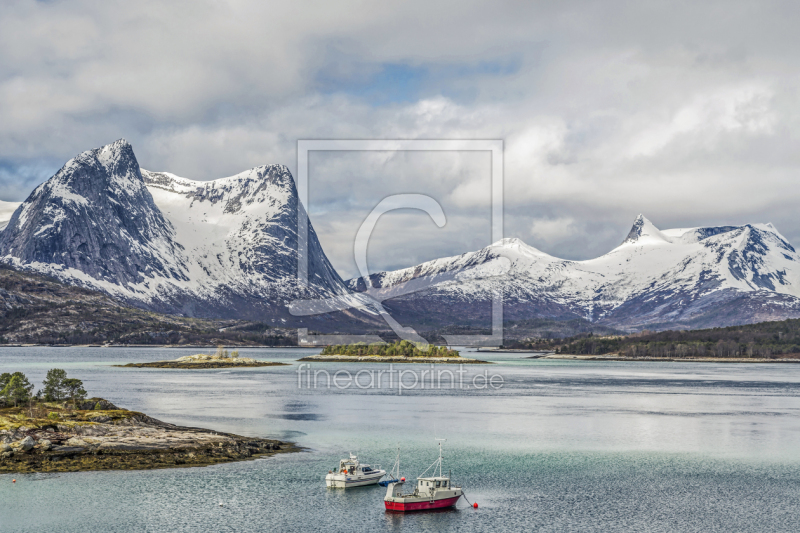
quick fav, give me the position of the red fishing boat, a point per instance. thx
(434, 492)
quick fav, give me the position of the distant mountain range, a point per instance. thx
(684, 278)
(228, 249)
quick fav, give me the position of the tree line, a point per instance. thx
(16, 389)
(766, 340)
(399, 348)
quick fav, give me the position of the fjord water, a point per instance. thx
(562, 446)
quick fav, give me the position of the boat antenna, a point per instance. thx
(440, 457)
(436, 462)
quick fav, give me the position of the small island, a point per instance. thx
(398, 352)
(220, 359)
(58, 430)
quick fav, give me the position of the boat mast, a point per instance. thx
(440, 457)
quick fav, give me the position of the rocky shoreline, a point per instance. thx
(221, 359)
(392, 359)
(99, 436)
(206, 364)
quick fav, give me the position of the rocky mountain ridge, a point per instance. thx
(228, 248)
(686, 277)
(220, 249)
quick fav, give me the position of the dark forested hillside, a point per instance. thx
(35, 309)
(763, 340)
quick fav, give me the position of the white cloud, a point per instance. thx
(551, 230)
(606, 110)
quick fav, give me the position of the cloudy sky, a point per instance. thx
(684, 111)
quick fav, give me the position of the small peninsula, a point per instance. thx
(59, 430)
(97, 435)
(220, 359)
(398, 352)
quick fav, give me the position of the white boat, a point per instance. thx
(351, 473)
(434, 492)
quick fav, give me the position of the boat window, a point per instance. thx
(438, 484)
(444, 483)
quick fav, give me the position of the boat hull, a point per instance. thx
(347, 482)
(420, 504)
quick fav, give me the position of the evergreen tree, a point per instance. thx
(74, 389)
(17, 390)
(54, 390)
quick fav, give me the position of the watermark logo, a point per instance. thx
(433, 378)
(373, 297)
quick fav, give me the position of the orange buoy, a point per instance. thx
(13, 481)
(475, 505)
(401, 479)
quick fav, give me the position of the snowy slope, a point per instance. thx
(653, 277)
(240, 234)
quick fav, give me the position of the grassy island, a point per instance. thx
(398, 348)
(397, 352)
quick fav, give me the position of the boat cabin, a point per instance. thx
(425, 484)
(427, 488)
(352, 466)
(349, 466)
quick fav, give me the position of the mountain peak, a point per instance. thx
(119, 144)
(513, 243)
(118, 148)
(509, 242)
(96, 217)
(516, 247)
(644, 232)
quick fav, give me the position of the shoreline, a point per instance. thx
(510, 350)
(391, 359)
(105, 437)
(146, 346)
(200, 365)
(568, 357)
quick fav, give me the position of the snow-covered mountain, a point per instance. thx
(223, 248)
(687, 277)
(228, 248)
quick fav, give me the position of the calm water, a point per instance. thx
(562, 446)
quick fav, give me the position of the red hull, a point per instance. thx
(421, 506)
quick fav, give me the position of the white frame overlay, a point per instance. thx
(495, 146)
